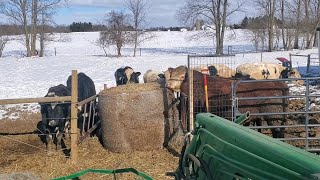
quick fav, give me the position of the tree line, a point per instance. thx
(283, 22)
(291, 23)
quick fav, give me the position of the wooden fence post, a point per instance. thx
(74, 117)
(191, 117)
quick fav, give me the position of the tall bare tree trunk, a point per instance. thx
(135, 43)
(34, 26)
(119, 50)
(139, 10)
(220, 23)
(297, 26)
(25, 26)
(271, 24)
(42, 34)
(284, 42)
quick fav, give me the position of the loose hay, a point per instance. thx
(16, 157)
(137, 117)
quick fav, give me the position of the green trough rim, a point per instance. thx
(105, 171)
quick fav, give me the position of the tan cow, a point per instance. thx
(268, 71)
(261, 70)
(216, 70)
(153, 76)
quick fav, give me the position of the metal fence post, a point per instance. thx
(308, 64)
(74, 117)
(318, 34)
(191, 118)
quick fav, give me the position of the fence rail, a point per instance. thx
(306, 112)
(35, 100)
(65, 99)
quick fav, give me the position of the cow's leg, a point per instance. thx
(67, 129)
(258, 122)
(58, 139)
(49, 141)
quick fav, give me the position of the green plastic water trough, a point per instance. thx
(221, 149)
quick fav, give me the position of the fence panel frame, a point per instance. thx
(306, 112)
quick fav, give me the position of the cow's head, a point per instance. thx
(131, 76)
(174, 77)
(134, 77)
(54, 115)
(212, 70)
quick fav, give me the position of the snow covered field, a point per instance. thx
(23, 77)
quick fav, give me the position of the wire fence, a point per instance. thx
(296, 114)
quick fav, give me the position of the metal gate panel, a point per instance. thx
(90, 117)
(225, 67)
(302, 119)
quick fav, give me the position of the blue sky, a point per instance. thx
(161, 13)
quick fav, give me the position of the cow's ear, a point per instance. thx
(182, 77)
(138, 73)
(170, 69)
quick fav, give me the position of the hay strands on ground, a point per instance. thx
(105, 171)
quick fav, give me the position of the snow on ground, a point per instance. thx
(23, 77)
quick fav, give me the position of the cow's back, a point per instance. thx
(86, 87)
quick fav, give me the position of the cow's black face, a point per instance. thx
(134, 78)
(56, 115)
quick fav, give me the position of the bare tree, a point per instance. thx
(46, 11)
(139, 9)
(24, 13)
(311, 20)
(17, 11)
(4, 39)
(34, 21)
(104, 42)
(297, 22)
(259, 34)
(214, 12)
(268, 8)
(117, 33)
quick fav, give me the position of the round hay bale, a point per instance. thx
(137, 117)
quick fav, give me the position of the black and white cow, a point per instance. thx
(54, 117)
(126, 75)
(86, 89)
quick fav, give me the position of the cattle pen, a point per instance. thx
(294, 115)
(89, 120)
(67, 99)
(22, 151)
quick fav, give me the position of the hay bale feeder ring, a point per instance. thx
(137, 117)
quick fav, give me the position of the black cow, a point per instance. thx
(54, 117)
(86, 89)
(126, 75)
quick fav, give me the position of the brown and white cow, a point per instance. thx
(268, 71)
(220, 97)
